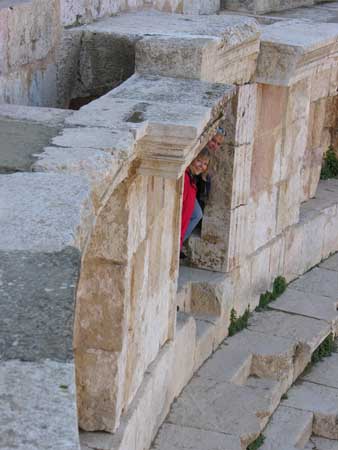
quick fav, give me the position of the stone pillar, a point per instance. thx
(306, 69)
(126, 296)
(224, 226)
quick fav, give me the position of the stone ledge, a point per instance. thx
(168, 132)
(287, 55)
(43, 212)
(216, 48)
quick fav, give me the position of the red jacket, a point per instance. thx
(189, 197)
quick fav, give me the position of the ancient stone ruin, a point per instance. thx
(103, 105)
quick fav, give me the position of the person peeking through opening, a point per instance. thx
(191, 209)
(197, 185)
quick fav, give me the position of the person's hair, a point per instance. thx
(205, 154)
(221, 131)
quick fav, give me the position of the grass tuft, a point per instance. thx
(257, 443)
(238, 323)
(279, 286)
(330, 165)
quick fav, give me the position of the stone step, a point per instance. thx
(240, 411)
(200, 291)
(308, 415)
(240, 386)
(178, 437)
(213, 48)
(288, 428)
(259, 7)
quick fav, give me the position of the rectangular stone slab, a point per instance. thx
(287, 54)
(304, 330)
(325, 372)
(223, 407)
(233, 360)
(288, 428)
(175, 437)
(20, 142)
(331, 264)
(318, 281)
(38, 406)
(37, 302)
(322, 401)
(309, 305)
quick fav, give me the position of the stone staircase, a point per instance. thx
(231, 398)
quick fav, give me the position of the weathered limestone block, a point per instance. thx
(318, 281)
(169, 132)
(124, 312)
(224, 227)
(24, 135)
(171, 437)
(76, 12)
(308, 304)
(105, 60)
(247, 415)
(212, 48)
(264, 6)
(186, 6)
(101, 315)
(330, 232)
(99, 375)
(33, 395)
(288, 55)
(216, 59)
(67, 60)
(30, 87)
(263, 217)
(28, 58)
(288, 202)
(288, 428)
(101, 169)
(318, 217)
(37, 32)
(44, 223)
(38, 316)
(322, 401)
(321, 83)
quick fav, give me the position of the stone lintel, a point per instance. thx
(288, 54)
(168, 157)
(169, 120)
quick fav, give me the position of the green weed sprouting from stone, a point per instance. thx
(256, 443)
(279, 286)
(238, 323)
(325, 349)
(330, 165)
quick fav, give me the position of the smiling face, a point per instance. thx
(215, 142)
(199, 165)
